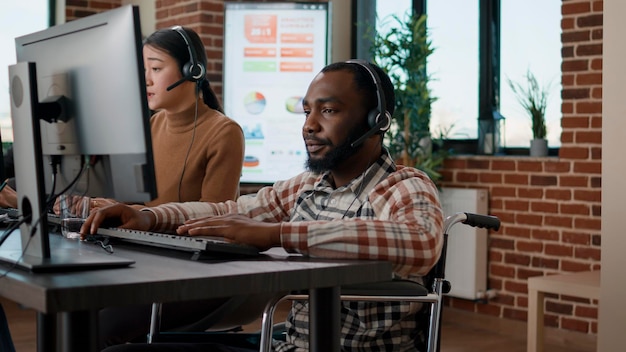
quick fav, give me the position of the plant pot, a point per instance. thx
(538, 147)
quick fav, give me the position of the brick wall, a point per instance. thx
(80, 8)
(550, 207)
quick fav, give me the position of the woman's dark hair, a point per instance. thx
(173, 43)
(364, 81)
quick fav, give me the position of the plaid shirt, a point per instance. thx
(388, 213)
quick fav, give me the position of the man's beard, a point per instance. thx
(337, 155)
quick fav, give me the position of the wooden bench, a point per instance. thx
(584, 284)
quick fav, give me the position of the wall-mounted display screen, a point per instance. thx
(272, 51)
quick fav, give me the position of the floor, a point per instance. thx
(461, 332)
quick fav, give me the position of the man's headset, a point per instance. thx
(379, 118)
(193, 70)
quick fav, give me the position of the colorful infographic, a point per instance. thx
(272, 51)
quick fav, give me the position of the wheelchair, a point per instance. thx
(430, 293)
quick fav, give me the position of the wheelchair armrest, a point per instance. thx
(386, 288)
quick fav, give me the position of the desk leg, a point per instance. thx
(535, 321)
(324, 319)
(46, 332)
(79, 331)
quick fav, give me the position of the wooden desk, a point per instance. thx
(75, 297)
(583, 284)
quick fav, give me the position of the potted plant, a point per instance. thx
(402, 53)
(533, 97)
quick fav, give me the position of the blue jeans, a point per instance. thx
(6, 342)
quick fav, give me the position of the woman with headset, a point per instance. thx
(198, 156)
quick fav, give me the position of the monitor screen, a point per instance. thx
(272, 51)
(80, 121)
(95, 64)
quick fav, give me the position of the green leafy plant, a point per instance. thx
(402, 52)
(533, 97)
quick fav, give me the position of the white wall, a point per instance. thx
(612, 311)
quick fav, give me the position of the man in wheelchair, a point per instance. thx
(353, 202)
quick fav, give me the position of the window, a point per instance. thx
(453, 67)
(17, 18)
(530, 47)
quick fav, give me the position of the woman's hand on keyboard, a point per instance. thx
(117, 215)
(236, 228)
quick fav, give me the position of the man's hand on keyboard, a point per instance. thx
(236, 228)
(8, 198)
(117, 215)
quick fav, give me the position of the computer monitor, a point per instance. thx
(78, 96)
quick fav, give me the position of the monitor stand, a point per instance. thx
(65, 255)
(39, 251)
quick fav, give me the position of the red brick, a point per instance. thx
(585, 107)
(557, 166)
(594, 167)
(573, 181)
(559, 194)
(559, 250)
(575, 209)
(571, 266)
(543, 180)
(501, 243)
(585, 137)
(594, 20)
(516, 179)
(516, 258)
(529, 219)
(575, 325)
(467, 177)
(545, 235)
(515, 314)
(586, 312)
(558, 221)
(535, 166)
(514, 286)
(596, 64)
(574, 153)
(587, 253)
(591, 78)
(503, 165)
(574, 8)
(524, 246)
(588, 195)
(533, 193)
(519, 205)
(576, 93)
(502, 271)
(576, 238)
(520, 232)
(545, 263)
(544, 207)
(559, 308)
(489, 177)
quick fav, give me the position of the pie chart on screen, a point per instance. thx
(254, 102)
(294, 105)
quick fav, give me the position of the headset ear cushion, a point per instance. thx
(193, 72)
(372, 118)
(387, 117)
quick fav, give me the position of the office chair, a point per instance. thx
(435, 286)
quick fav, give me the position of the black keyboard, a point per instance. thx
(199, 244)
(11, 213)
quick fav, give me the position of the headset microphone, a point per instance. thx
(177, 83)
(378, 127)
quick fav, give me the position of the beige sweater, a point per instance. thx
(214, 163)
